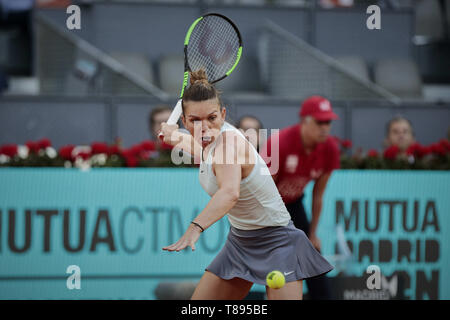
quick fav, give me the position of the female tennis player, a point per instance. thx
(262, 237)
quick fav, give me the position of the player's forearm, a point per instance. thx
(186, 143)
(219, 205)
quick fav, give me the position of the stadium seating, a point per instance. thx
(428, 20)
(171, 68)
(244, 81)
(399, 76)
(137, 63)
(355, 65)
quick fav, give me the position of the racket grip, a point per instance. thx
(176, 113)
(174, 116)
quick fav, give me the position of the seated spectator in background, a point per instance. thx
(157, 116)
(399, 132)
(250, 122)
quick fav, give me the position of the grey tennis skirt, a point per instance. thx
(252, 254)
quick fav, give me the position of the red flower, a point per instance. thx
(438, 149)
(33, 147)
(426, 150)
(99, 147)
(84, 155)
(9, 150)
(130, 157)
(131, 161)
(165, 146)
(136, 150)
(445, 144)
(43, 143)
(346, 144)
(114, 149)
(66, 152)
(417, 150)
(147, 145)
(372, 153)
(391, 152)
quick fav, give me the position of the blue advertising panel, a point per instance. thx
(113, 223)
(396, 220)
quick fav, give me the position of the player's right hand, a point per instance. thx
(167, 131)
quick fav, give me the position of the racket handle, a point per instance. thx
(174, 116)
(176, 113)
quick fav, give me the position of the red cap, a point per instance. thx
(319, 108)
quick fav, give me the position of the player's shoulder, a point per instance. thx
(231, 138)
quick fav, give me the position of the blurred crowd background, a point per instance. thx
(114, 79)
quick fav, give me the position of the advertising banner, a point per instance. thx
(98, 234)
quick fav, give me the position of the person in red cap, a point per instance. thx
(306, 152)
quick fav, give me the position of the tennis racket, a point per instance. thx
(213, 43)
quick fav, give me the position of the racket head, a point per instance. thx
(213, 43)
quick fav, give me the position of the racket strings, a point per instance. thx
(213, 46)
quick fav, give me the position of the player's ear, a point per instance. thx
(183, 120)
(223, 113)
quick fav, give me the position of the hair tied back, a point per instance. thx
(198, 76)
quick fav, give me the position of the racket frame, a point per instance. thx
(176, 113)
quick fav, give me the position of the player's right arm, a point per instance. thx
(228, 176)
(181, 140)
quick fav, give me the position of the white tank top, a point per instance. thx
(259, 204)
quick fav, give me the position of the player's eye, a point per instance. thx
(212, 118)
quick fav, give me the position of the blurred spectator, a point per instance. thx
(399, 132)
(157, 116)
(250, 122)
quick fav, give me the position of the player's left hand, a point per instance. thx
(189, 239)
(315, 241)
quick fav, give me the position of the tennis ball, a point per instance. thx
(275, 279)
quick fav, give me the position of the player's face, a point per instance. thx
(203, 119)
(318, 130)
(400, 134)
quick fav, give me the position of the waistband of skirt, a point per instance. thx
(258, 232)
